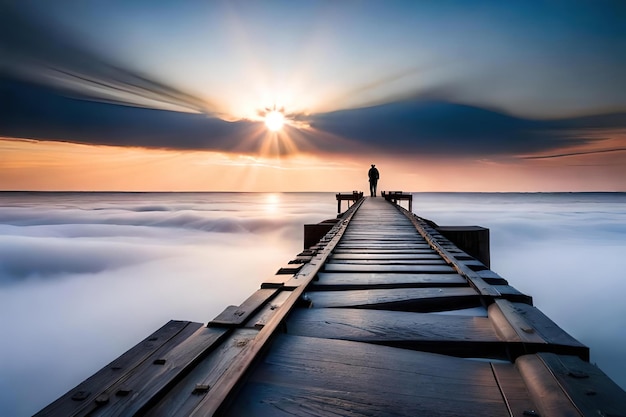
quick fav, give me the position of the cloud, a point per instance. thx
(35, 111)
(89, 275)
(32, 49)
(562, 155)
(53, 87)
(36, 257)
(441, 128)
(417, 126)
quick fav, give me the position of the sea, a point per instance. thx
(85, 276)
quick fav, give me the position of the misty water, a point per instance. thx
(85, 276)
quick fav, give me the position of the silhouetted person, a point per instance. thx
(373, 175)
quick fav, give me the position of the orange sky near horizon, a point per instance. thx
(57, 166)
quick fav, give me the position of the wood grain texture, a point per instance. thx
(372, 280)
(382, 256)
(263, 316)
(514, 391)
(457, 335)
(151, 379)
(234, 316)
(185, 396)
(384, 262)
(403, 299)
(415, 269)
(534, 327)
(315, 377)
(544, 389)
(591, 391)
(373, 251)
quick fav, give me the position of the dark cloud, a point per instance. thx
(31, 48)
(29, 110)
(562, 155)
(427, 126)
(417, 126)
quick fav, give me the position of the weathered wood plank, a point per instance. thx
(591, 391)
(404, 299)
(382, 245)
(260, 319)
(532, 326)
(466, 336)
(407, 251)
(379, 240)
(145, 385)
(384, 256)
(371, 280)
(289, 269)
(192, 389)
(415, 269)
(546, 328)
(304, 376)
(514, 392)
(234, 316)
(81, 399)
(544, 389)
(432, 261)
(512, 294)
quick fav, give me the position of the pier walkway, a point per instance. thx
(384, 316)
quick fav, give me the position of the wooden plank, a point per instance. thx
(511, 294)
(185, 396)
(544, 389)
(344, 281)
(403, 299)
(380, 241)
(466, 336)
(275, 281)
(516, 396)
(383, 239)
(432, 261)
(260, 319)
(384, 256)
(546, 328)
(533, 327)
(415, 269)
(407, 251)
(591, 391)
(146, 385)
(384, 232)
(304, 376)
(82, 397)
(289, 269)
(234, 316)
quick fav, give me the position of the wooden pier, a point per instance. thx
(383, 316)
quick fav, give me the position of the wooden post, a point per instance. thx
(474, 240)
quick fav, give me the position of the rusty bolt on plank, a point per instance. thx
(80, 395)
(102, 399)
(201, 389)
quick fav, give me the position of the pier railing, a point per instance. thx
(353, 197)
(397, 196)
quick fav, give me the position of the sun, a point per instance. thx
(274, 120)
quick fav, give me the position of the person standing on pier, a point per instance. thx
(373, 175)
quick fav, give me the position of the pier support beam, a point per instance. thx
(474, 240)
